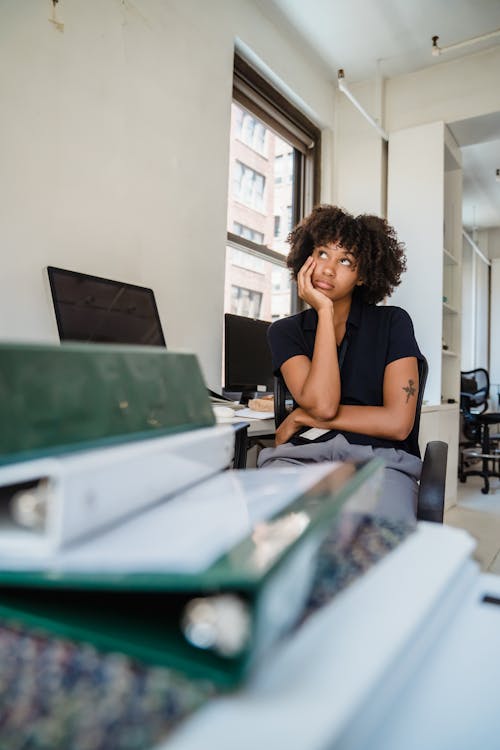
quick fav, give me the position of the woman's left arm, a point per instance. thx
(393, 421)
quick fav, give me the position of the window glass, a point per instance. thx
(259, 210)
(245, 302)
(258, 288)
(261, 199)
(248, 233)
(273, 182)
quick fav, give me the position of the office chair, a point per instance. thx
(430, 502)
(476, 420)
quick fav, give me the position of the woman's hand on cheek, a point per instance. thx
(305, 287)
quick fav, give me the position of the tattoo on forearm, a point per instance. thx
(410, 389)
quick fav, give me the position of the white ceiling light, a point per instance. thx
(437, 50)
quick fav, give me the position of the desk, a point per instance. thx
(260, 428)
(245, 439)
(256, 427)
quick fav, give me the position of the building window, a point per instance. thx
(248, 186)
(245, 302)
(251, 131)
(247, 260)
(283, 162)
(277, 225)
(248, 233)
(278, 169)
(274, 182)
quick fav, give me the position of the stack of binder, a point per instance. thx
(205, 579)
(210, 614)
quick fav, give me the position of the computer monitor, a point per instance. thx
(93, 309)
(247, 358)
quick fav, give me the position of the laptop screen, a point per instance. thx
(93, 309)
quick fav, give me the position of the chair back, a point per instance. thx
(281, 394)
(423, 370)
(474, 391)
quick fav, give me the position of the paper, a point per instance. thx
(313, 433)
(251, 414)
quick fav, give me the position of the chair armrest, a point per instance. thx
(279, 401)
(432, 482)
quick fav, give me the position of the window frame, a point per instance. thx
(262, 100)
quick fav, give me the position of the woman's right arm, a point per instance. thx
(315, 384)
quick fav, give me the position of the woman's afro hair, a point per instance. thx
(379, 256)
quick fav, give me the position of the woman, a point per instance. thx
(350, 365)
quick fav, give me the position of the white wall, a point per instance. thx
(467, 351)
(495, 316)
(488, 240)
(449, 91)
(482, 312)
(359, 178)
(415, 209)
(445, 92)
(114, 141)
(494, 243)
(475, 307)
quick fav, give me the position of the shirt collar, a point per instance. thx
(354, 318)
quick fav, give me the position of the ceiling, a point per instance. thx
(392, 37)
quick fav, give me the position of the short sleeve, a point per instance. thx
(402, 342)
(286, 339)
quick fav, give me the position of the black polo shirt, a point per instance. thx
(376, 335)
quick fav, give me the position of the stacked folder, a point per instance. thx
(204, 580)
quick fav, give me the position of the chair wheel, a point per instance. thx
(463, 479)
(485, 490)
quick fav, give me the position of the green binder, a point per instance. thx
(257, 590)
(62, 398)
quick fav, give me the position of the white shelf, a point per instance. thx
(449, 310)
(449, 353)
(443, 406)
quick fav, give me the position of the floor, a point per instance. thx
(480, 515)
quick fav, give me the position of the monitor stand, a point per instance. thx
(215, 397)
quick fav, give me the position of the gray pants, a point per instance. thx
(398, 496)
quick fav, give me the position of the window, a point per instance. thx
(246, 260)
(283, 162)
(248, 186)
(277, 225)
(245, 302)
(251, 131)
(278, 168)
(274, 181)
(248, 233)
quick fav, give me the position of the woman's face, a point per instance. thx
(335, 273)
